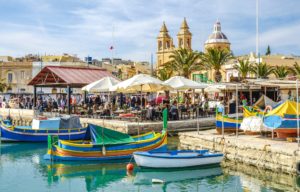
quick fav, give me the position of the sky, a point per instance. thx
(91, 27)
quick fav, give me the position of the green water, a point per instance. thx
(22, 168)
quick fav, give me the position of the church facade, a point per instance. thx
(165, 45)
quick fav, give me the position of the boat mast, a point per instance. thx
(257, 31)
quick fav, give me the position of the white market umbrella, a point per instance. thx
(102, 85)
(182, 83)
(212, 89)
(140, 82)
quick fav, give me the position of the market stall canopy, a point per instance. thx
(182, 83)
(102, 85)
(231, 87)
(140, 82)
(212, 89)
(60, 76)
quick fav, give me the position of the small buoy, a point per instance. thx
(154, 181)
(129, 167)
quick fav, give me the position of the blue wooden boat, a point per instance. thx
(68, 128)
(176, 159)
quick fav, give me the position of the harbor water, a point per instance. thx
(22, 168)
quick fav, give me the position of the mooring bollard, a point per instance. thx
(298, 167)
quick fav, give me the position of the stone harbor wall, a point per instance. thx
(279, 156)
(251, 178)
(24, 117)
(142, 127)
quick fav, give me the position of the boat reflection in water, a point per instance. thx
(145, 176)
(96, 175)
(99, 176)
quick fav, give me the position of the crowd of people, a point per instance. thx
(149, 105)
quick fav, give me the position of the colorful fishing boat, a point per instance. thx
(176, 159)
(106, 145)
(102, 144)
(283, 119)
(66, 128)
(229, 123)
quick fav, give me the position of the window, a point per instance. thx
(159, 45)
(9, 77)
(180, 42)
(22, 74)
(168, 44)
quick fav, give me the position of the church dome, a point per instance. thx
(217, 36)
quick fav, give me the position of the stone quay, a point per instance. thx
(258, 151)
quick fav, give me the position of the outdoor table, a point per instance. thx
(119, 111)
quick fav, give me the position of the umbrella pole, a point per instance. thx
(237, 111)
(109, 102)
(297, 95)
(177, 99)
(141, 97)
(193, 96)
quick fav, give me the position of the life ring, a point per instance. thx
(268, 108)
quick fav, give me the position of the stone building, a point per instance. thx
(165, 45)
(16, 75)
(217, 39)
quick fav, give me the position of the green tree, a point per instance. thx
(184, 62)
(215, 59)
(268, 52)
(3, 85)
(164, 73)
(244, 67)
(262, 70)
(295, 69)
(281, 72)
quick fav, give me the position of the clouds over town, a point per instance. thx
(90, 27)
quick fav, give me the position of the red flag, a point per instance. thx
(111, 48)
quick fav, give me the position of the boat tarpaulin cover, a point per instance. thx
(264, 101)
(286, 108)
(103, 136)
(69, 122)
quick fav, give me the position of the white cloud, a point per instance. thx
(85, 27)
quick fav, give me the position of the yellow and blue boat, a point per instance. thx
(102, 144)
(106, 145)
(229, 123)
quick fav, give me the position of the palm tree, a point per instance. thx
(3, 85)
(185, 61)
(281, 72)
(296, 69)
(164, 73)
(244, 67)
(215, 59)
(262, 70)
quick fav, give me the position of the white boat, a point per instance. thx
(176, 159)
